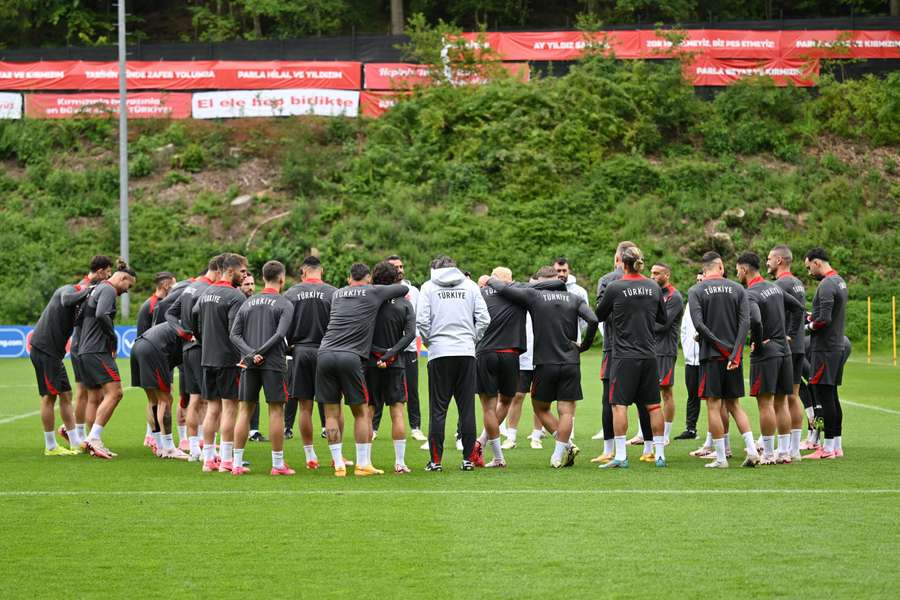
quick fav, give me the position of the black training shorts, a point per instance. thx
(273, 383)
(525, 379)
(303, 373)
(99, 368)
(771, 376)
(340, 373)
(193, 372)
(556, 382)
(826, 368)
(52, 378)
(633, 381)
(665, 367)
(220, 382)
(716, 381)
(797, 367)
(150, 367)
(497, 373)
(386, 386)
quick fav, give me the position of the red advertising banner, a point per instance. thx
(141, 105)
(708, 71)
(181, 75)
(374, 104)
(405, 76)
(840, 44)
(716, 43)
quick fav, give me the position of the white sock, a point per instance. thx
(495, 447)
(810, 414)
(157, 439)
(74, 438)
(238, 457)
(511, 433)
(503, 429)
(337, 455)
(182, 432)
(727, 443)
(750, 443)
(609, 446)
(209, 453)
(360, 455)
(811, 435)
(796, 434)
(837, 443)
(572, 435)
(784, 444)
(768, 442)
(96, 432)
(829, 445)
(648, 446)
(659, 444)
(367, 453)
(709, 441)
(310, 453)
(559, 450)
(200, 432)
(620, 443)
(227, 449)
(79, 427)
(536, 434)
(400, 452)
(167, 442)
(50, 440)
(194, 442)
(815, 436)
(482, 439)
(149, 430)
(667, 431)
(719, 445)
(278, 459)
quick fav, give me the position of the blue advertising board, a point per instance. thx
(15, 340)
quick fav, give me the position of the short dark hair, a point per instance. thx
(123, 267)
(817, 253)
(312, 262)
(749, 259)
(161, 277)
(384, 273)
(232, 261)
(214, 264)
(443, 262)
(709, 258)
(358, 271)
(100, 262)
(784, 252)
(659, 263)
(393, 257)
(547, 272)
(272, 270)
(561, 260)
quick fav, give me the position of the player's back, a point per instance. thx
(312, 310)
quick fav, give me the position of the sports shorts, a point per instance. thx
(826, 368)
(525, 378)
(665, 366)
(716, 381)
(797, 367)
(633, 381)
(220, 382)
(497, 373)
(340, 374)
(52, 378)
(556, 382)
(303, 373)
(150, 367)
(386, 386)
(193, 372)
(78, 368)
(771, 376)
(273, 383)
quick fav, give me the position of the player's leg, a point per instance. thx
(164, 401)
(645, 431)
(305, 406)
(463, 390)
(333, 433)
(716, 425)
(825, 398)
(276, 434)
(767, 423)
(195, 420)
(246, 409)
(398, 435)
(412, 404)
(439, 390)
(743, 423)
(226, 432)
(783, 426)
(210, 426)
(668, 407)
(94, 399)
(692, 408)
(839, 424)
(48, 420)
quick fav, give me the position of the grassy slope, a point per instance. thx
(525, 532)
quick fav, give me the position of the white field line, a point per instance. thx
(870, 407)
(498, 492)
(18, 417)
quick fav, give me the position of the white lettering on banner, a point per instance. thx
(275, 103)
(738, 71)
(10, 106)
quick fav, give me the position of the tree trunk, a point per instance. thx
(397, 17)
(895, 8)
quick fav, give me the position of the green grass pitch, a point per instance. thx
(139, 526)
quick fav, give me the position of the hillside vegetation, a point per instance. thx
(506, 173)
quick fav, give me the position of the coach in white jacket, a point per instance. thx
(451, 317)
(691, 348)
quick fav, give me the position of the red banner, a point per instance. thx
(141, 105)
(405, 76)
(716, 43)
(705, 70)
(374, 104)
(840, 44)
(181, 75)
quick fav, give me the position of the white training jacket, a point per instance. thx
(573, 288)
(526, 359)
(689, 345)
(413, 297)
(451, 315)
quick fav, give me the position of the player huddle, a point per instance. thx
(495, 338)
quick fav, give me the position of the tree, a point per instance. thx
(397, 17)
